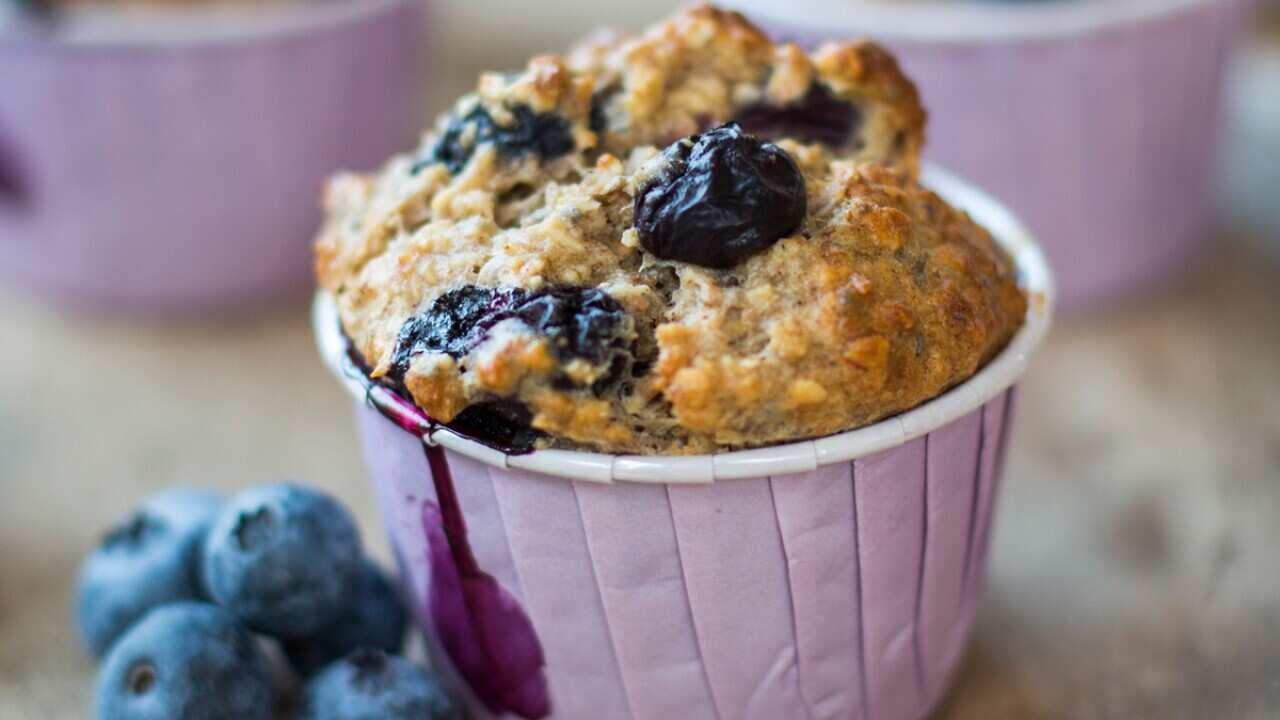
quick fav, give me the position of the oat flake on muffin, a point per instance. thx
(679, 242)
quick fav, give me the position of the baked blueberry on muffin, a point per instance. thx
(679, 242)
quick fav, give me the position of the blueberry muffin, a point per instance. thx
(685, 241)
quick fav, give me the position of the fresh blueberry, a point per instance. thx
(149, 559)
(185, 661)
(374, 618)
(722, 197)
(371, 685)
(546, 134)
(283, 558)
(818, 116)
(580, 322)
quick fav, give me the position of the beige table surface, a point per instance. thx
(1137, 556)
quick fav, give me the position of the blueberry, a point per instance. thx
(454, 324)
(598, 119)
(185, 661)
(546, 134)
(503, 424)
(371, 685)
(374, 618)
(580, 322)
(818, 116)
(283, 559)
(150, 559)
(722, 197)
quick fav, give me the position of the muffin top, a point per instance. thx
(679, 242)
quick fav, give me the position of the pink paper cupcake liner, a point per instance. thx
(182, 171)
(1095, 121)
(832, 578)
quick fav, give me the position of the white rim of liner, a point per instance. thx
(970, 21)
(165, 28)
(795, 457)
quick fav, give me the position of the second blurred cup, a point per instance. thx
(1095, 121)
(176, 165)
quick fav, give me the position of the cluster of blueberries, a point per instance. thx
(185, 600)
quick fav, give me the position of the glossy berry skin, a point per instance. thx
(579, 322)
(722, 197)
(371, 685)
(454, 324)
(185, 661)
(283, 559)
(374, 618)
(546, 134)
(505, 425)
(818, 116)
(149, 559)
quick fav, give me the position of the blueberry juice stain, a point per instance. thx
(483, 628)
(487, 635)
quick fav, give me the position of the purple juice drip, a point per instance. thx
(486, 633)
(13, 186)
(387, 402)
(401, 411)
(488, 636)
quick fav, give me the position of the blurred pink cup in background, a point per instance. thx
(172, 161)
(1095, 121)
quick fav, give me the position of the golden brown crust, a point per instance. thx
(691, 72)
(883, 298)
(890, 298)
